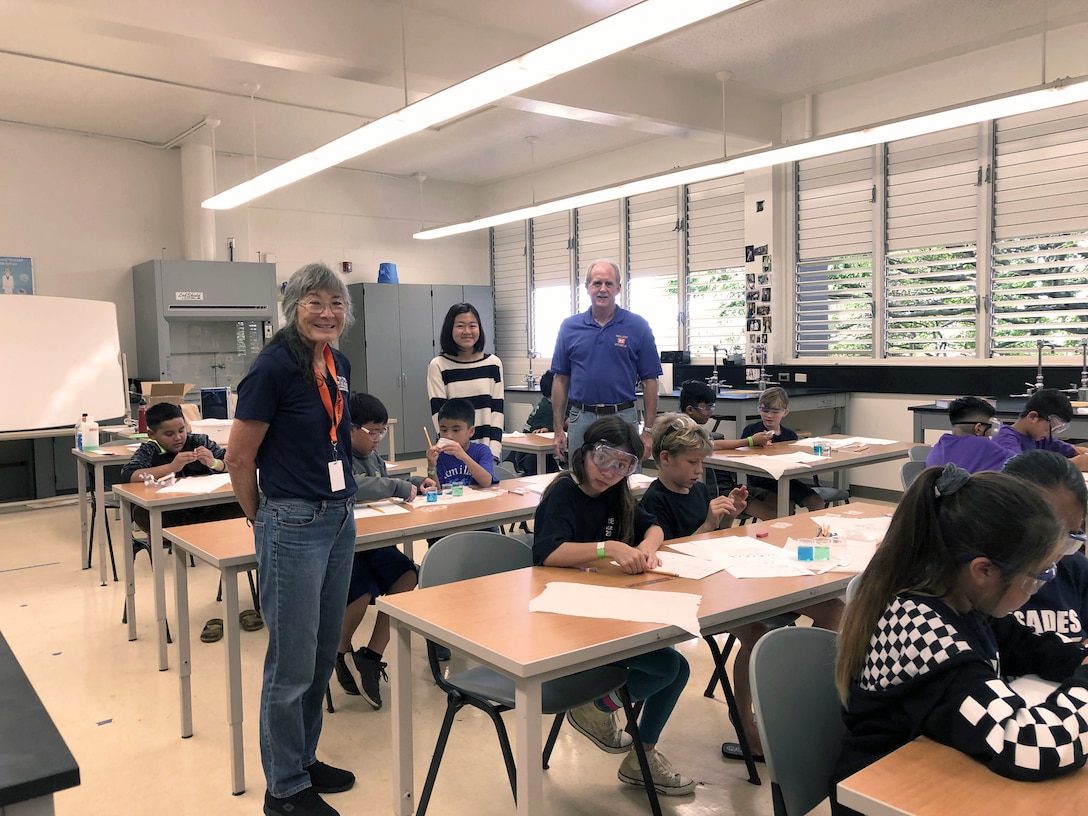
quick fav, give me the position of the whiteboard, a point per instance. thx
(59, 358)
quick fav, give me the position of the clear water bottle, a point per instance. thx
(81, 429)
(90, 434)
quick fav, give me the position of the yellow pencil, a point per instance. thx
(429, 443)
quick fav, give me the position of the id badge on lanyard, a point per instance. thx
(334, 407)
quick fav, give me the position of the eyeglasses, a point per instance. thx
(605, 457)
(706, 409)
(1074, 544)
(377, 436)
(763, 409)
(316, 307)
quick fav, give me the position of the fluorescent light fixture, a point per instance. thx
(1051, 95)
(648, 20)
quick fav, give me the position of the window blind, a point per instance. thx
(550, 237)
(597, 232)
(653, 240)
(510, 280)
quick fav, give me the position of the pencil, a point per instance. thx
(428, 433)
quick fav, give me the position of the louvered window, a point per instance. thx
(653, 240)
(550, 236)
(833, 298)
(510, 280)
(597, 234)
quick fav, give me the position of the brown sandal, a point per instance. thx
(250, 620)
(213, 631)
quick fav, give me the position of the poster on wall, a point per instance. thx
(17, 276)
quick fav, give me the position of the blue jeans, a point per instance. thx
(658, 678)
(304, 554)
(580, 420)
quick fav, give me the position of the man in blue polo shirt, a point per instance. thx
(599, 356)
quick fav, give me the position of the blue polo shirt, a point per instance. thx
(294, 456)
(605, 362)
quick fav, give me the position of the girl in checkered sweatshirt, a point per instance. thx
(928, 642)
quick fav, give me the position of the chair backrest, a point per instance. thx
(909, 472)
(798, 714)
(918, 453)
(461, 556)
(502, 473)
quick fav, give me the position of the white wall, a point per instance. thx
(88, 209)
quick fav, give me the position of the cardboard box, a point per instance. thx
(156, 392)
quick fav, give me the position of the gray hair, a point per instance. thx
(605, 262)
(314, 277)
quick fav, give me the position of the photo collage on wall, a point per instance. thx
(757, 299)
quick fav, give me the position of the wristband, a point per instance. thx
(600, 550)
(751, 442)
(432, 473)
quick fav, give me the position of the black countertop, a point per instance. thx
(34, 760)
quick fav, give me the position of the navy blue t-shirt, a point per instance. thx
(294, 457)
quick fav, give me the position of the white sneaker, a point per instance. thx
(667, 781)
(600, 728)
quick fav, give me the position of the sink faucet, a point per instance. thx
(712, 381)
(1082, 391)
(1040, 344)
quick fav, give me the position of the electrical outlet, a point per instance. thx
(800, 378)
(783, 376)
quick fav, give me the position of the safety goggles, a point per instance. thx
(1031, 584)
(377, 436)
(1057, 425)
(763, 409)
(991, 426)
(620, 462)
(1074, 543)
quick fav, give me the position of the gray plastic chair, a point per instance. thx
(918, 453)
(798, 713)
(459, 557)
(909, 471)
(502, 472)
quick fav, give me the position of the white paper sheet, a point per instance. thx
(538, 483)
(685, 566)
(196, 484)
(774, 466)
(379, 509)
(617, 603)
(745, 557)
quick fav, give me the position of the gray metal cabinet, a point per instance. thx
(394, 338)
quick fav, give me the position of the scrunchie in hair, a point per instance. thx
(952, 478)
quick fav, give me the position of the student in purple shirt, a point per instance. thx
(1047, 413)
(969, 445)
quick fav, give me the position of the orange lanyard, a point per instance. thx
(335, 409)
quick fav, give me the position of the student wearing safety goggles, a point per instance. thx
(1047, 414)
(969, 445)
(588, 513)
(1060, 605)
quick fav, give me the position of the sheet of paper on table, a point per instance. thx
(745, 557)
(196, 484)
(379, 509)
(618, 603)
(775, 466)
(685, 566)
(469, 494)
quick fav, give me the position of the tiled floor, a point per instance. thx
(120, 715)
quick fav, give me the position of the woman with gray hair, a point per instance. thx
(292, 423)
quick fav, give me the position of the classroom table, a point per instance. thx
(839, 460)
(540, 444)
(115, 454)
(488, 620)
(149, 498)
(930, 417)
(228, 546)
(925, 778)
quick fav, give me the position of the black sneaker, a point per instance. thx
(327, 779)
(304, 803)
(343, 675)
(369, 672)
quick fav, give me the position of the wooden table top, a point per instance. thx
(490, 617)
(925, 778)
(837, 459)
(148, 496)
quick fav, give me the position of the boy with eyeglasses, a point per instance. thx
(1047, 413)
(385, 571)
(969, 445)
(762, 498)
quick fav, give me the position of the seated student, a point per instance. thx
(969, 445)
(459, 461)
(683, 507)
(171, 449)
(539, 421)
(588, 512)
(385, 571)
(697, 402)
(928, 641)
(1060, 606)
(763, 498)
(1047, 412)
